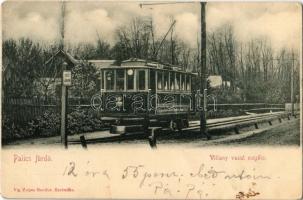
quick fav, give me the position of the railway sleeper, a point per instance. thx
(177, 124)
(152, 138)
(83, 141)
(236, 128)
(256, 126)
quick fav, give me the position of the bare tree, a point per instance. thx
(135, 39)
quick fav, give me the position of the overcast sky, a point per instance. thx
(280, 22)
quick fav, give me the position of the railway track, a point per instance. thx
(232, 123)
(239, 121)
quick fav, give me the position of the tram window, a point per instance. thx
(141, 79)
(188, 82)
(172, 82)
(110, 79)
(182, 82)
(152, 79)
(166, 84)
(102, 80)
(98, 84)
(120, 79)
(177, 81)
(160, 80)
(130, 79)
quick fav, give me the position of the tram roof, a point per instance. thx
(141, 63)
(129, 63)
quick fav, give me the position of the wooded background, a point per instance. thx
(257, 72)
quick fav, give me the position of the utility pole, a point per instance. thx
(292, 94)
(203, 72)
(292, 80)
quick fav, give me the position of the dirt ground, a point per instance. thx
(287, 133)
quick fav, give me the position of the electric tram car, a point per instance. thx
(138, 91)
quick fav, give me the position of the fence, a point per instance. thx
(247, 107)
(22, 110)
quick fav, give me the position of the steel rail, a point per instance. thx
(235, 121)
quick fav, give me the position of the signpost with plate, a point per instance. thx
(66, 81)
(67, 78)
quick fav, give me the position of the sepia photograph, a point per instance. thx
(107, 72)
(131, 84)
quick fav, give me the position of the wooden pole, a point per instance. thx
(63, 87)
(63, 110)
(292, 97)
(203, 71)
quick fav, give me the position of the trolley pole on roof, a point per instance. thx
(203, 73)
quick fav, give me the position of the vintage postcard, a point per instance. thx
(151, 100)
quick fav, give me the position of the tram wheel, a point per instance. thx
(185, 123)
(179, 125)
(172, 125)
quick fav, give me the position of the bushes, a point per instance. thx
(83, 120)
(224, 113)
(48, 124)
(11, 130)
